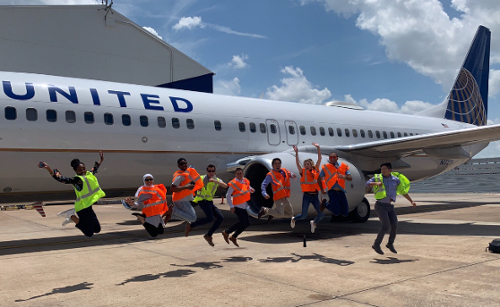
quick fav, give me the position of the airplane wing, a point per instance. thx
(447, 144)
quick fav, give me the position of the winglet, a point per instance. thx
(39, 208)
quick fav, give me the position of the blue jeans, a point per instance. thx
(306, 200)
(210, 211)
(338, 203)
(183, 211)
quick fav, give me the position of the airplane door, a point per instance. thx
(292, 136)
(273, 132)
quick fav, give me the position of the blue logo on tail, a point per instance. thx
(468, 99)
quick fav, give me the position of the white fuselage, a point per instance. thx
(203, 128)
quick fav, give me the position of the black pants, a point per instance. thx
(154, 231)
(242, 224)
(210, 211)
(88, 224)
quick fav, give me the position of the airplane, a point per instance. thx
(145, 129)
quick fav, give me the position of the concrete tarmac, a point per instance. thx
(441, 260)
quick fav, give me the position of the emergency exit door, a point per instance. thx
(273, 132)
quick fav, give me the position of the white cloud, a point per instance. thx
(238, 62)
(152, 31)
(296, 88)
(494, 83)
(420, 33)
(189, 23)
(386, 105)
(230, 88)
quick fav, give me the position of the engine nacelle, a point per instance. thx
(257, 168)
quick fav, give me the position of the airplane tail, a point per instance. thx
(468, 99)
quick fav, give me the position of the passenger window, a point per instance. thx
(346, 132)
(262, 128)
(175, 123)
(253, 128)
(31, 114)
(126, 120)
(385, 134)
(355, 133)
(405, 134)
(190, 123)
(108, 119)
(144, 120)
(392, 135)
(217, 125)
(362, 132)
(291, 130)
(242, 127)
(10, 113)
(370, 134)
(51, 116)
(302, 130)
(399, 134)
(377, 133)
(339, 132)
(411, 133)
(322, 131)
(273, 129)
(70, 116)
(88, 117)
(162, 122)
(330, 131)
(313, 130)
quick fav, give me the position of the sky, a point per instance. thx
(386, 55)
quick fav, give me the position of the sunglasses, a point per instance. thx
(211, 171)
(148, 179)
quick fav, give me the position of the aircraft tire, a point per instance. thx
(361, 213)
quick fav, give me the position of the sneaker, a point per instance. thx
(262, 212)
(66, 221)
(292, 223)
(377, 249)
(391, 248)
(233, 239)
(124, 203)
(188, 229)
(269, 218)
(226, 236)
(313, 226)
(67, 213)
(209, 239)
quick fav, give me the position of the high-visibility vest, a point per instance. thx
(207, 192)
(90, 193)
(190, 175)
(309, 180)
(157, 204)
(331, 174)
(402, 189)
(241, 193)
(281, 186)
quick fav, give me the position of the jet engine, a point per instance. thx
(257, 167)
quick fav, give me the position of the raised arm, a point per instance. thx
(318, 162)
(299, 167)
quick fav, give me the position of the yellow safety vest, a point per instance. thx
(90, 193)
(207, 192)
(402, 189)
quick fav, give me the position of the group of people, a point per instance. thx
(189, 188)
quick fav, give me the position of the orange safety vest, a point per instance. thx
(189, 175)
(281, 186)
(331, 174)
(309, 181)
(241, 193)
(157, 204)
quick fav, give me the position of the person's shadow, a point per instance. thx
(149, 277)
(68, 289)
(391, 260)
